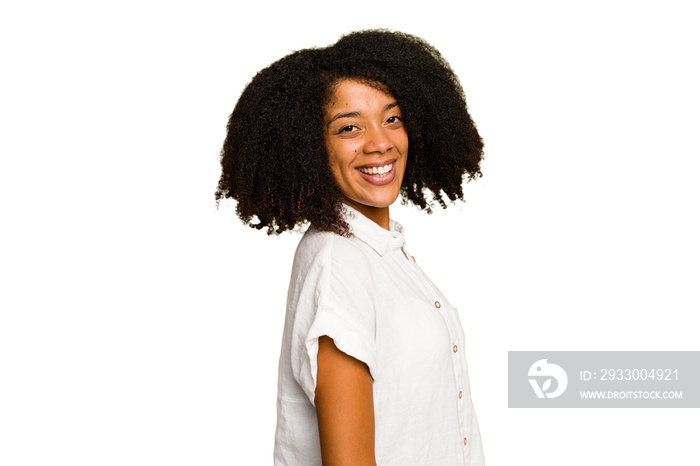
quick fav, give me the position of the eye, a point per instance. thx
(395, 119)
(347, 129)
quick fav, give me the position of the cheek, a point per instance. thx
(342, 154)
(402, 145)
(338, 165)
(400, 140)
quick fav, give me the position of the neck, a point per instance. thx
(379, 215)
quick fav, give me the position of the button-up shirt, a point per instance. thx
(368, 294)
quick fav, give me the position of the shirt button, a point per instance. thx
(465, 440)
(437, 304)
(454, 348)
(460, 393)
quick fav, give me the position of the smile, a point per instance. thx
(380, 172)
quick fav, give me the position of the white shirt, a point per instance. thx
(372, 299)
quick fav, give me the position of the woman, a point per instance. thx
(372, 369)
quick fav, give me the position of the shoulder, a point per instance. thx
(333, 265)
(332, 250)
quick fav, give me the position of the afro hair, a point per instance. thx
(274, 159)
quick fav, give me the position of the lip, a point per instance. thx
(376, 180)
(378, 164)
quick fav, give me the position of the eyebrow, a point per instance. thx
(357, 114)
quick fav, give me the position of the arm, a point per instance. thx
(345, 408)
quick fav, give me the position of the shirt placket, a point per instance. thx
(458, 363)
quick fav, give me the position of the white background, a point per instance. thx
(140, 326)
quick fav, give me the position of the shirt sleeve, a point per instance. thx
(343, 308)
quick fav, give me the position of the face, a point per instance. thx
(367, 147)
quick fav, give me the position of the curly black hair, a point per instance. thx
(274, 159)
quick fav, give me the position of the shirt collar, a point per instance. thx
(369, 232)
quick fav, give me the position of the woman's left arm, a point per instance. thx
(345, 407)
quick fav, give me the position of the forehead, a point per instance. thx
(352, 92)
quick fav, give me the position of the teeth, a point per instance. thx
(379, 171)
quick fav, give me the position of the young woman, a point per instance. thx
(372, 368)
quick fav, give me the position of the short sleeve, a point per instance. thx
(347, 339)
(336, 300)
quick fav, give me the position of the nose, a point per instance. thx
(377, 140)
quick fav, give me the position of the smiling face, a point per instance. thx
(367, 147)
